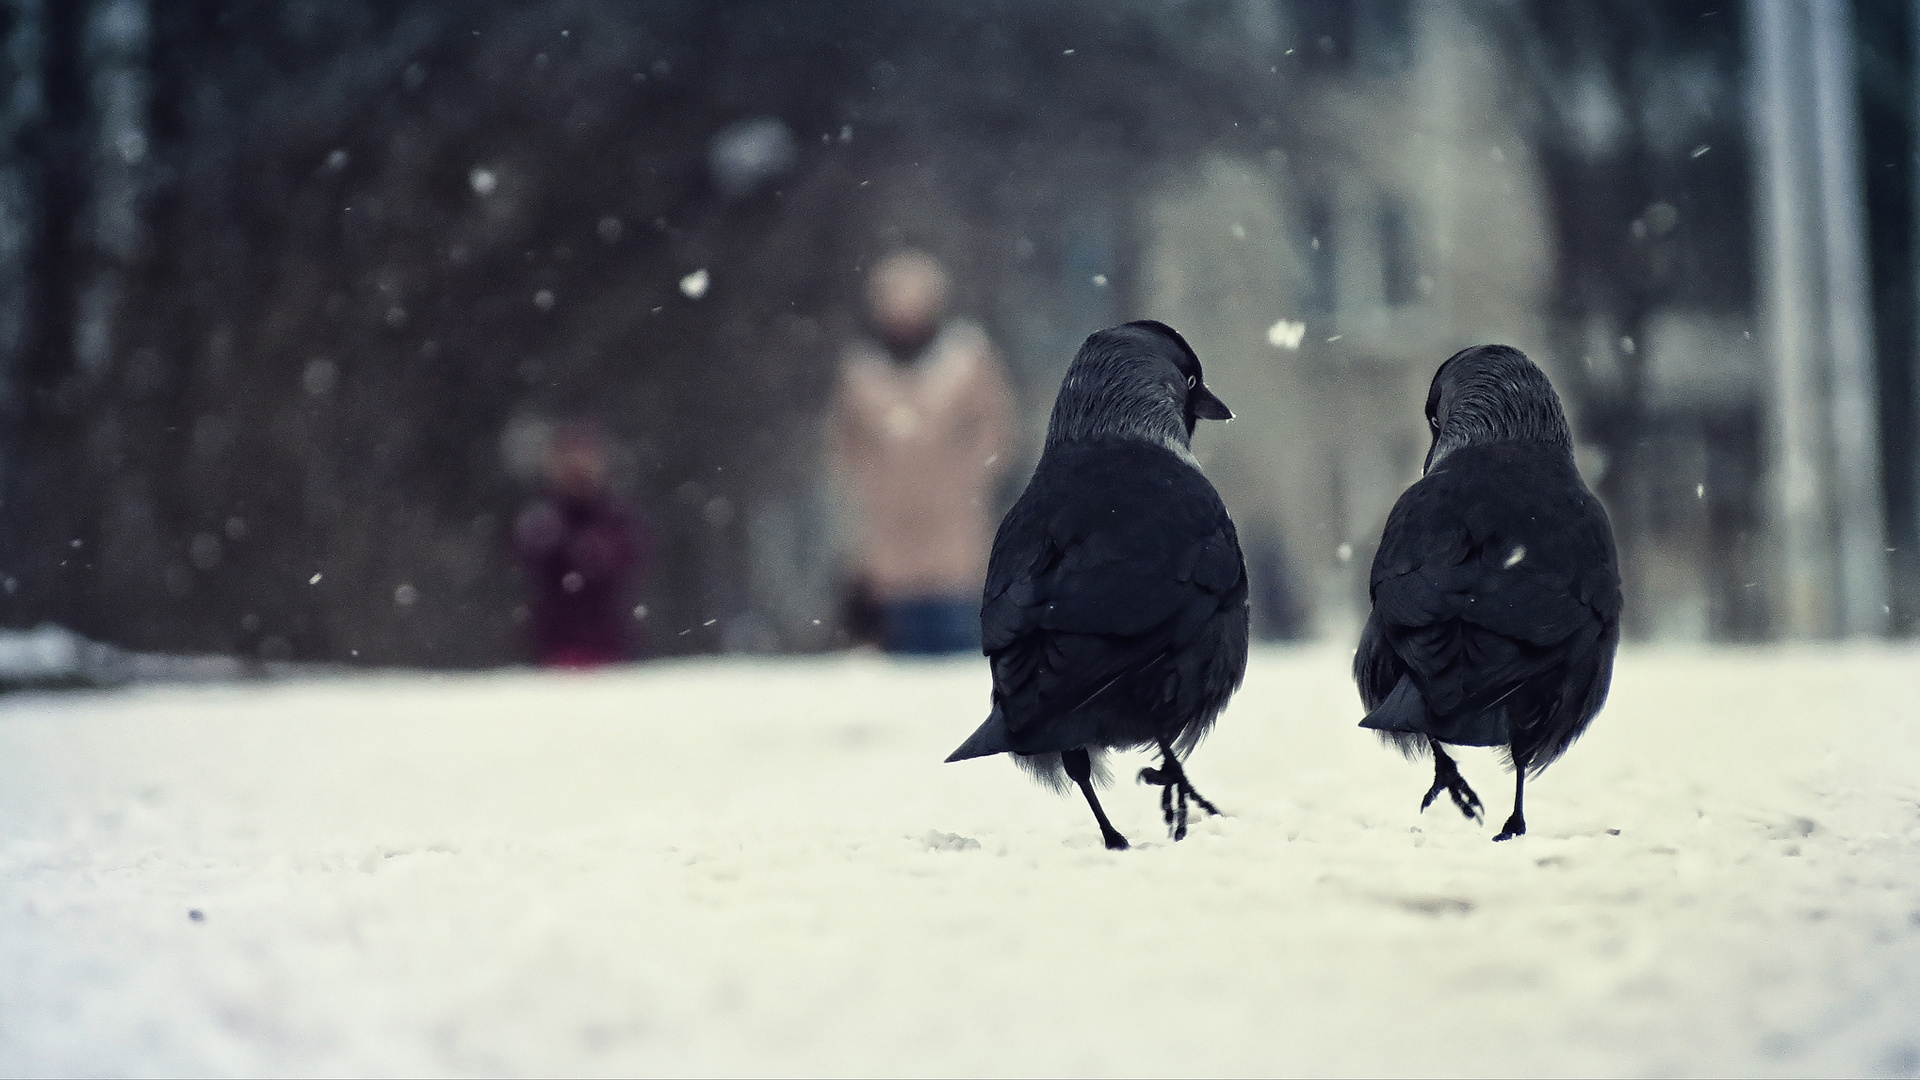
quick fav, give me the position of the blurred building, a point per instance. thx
(1323, 284)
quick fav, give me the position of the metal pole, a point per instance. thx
(1861, 532)
(1789, 308)
(1911, 558)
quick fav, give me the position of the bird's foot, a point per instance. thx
(1447, 778)
(1515, 826)
(1175, 794)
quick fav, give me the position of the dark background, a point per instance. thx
(266, 324)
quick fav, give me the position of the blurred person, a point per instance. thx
(921, 427)
(581, 547)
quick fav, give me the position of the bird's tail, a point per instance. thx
(1404, 710)
(989, 738)
(1404, 720)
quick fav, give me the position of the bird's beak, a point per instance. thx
(1208, 407)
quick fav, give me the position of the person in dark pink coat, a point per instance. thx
(581, 547)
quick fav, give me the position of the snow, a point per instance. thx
(763, 867)
(1286, 334)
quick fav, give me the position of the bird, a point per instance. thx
(1115, 609)
(1495, 588)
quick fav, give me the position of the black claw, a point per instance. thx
(1462, 795)
(1467, 801)
(1447, 778)
(1175, 793)
(1515, 826)
(1212, 810)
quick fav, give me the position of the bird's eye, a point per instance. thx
(1191, 381)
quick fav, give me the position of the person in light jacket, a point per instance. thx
(920, 430)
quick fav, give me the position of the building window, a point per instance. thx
(1325, 32)
(1316, 253)
(1337, 35)
(1399, 253)
(1385, 32)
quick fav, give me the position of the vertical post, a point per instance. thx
(1860, 533)
(1789, 310)
(1913, 240)
(22, 110)
(114, 58)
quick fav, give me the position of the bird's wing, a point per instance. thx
(1494, 570)
(1117, 556)
(1376, 668)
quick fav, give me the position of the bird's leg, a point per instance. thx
(1080, 770)
(1175, 791)
(1517, 824)
(1447, 778)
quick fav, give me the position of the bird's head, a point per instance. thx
(1140, 380)
(1489, 394)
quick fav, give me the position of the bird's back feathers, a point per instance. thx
(1115, 611)
(1496, 597)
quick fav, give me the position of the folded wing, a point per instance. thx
(1495, 591)
(1094, 604)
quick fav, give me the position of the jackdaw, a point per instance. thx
(1115, 614)
(1496, 595)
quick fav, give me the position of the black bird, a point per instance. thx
(1115, 614)
(1496, 595)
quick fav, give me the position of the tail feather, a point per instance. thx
(1404, 720)
(989, 738)
(1404, 710)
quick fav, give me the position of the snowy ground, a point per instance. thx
(765, 868)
